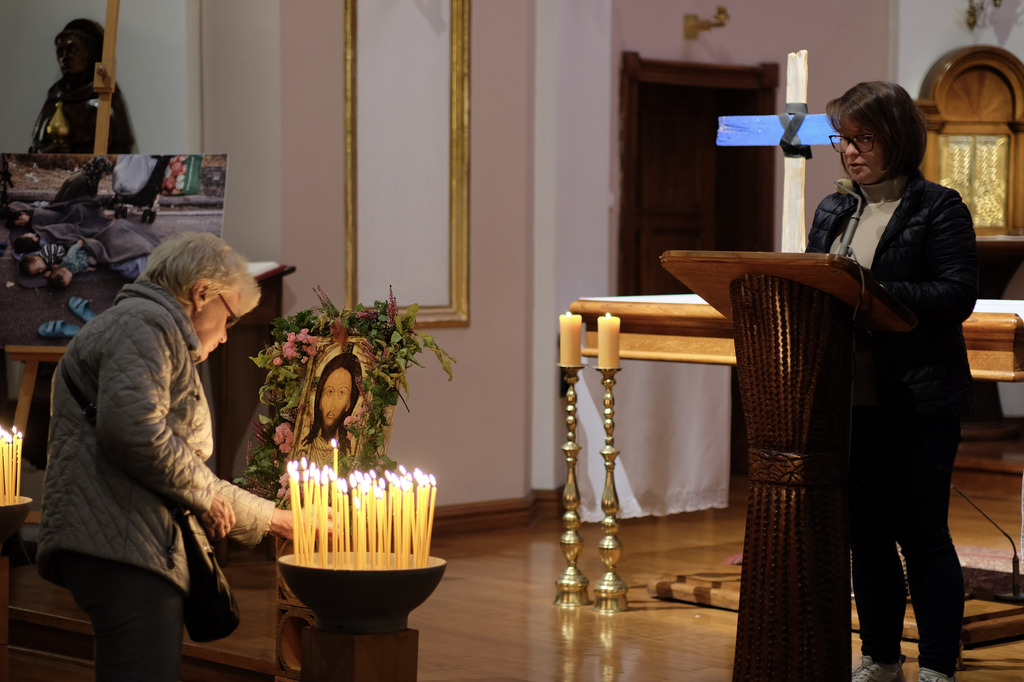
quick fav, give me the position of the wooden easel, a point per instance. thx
(31, 356)
(104, 79)
(104, 84)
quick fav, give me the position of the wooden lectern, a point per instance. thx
(793, 317)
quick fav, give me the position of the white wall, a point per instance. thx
(474, 433)
(573, 197)
(931, 28)
(312, 229)
(241, 114)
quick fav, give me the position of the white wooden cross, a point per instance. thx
(741, 131)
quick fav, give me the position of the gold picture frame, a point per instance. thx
(456, 311)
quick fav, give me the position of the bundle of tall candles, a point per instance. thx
(10, 466)
(366, 522)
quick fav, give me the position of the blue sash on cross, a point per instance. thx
(767, 130)
(794, 130)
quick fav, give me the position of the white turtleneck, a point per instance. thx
(880, 202)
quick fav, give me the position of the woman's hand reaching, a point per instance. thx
(220, 519)
(281, 524)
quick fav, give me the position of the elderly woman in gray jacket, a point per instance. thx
(106, 531)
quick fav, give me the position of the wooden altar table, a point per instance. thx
(683, 328)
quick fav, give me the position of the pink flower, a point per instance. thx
(278, 361)
(368, 352)
(284, 491)
(288, 348)
(284, 437)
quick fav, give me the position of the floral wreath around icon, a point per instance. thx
(390, 345)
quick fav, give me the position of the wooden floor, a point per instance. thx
(492, 617)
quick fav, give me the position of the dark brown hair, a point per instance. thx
(888, 112)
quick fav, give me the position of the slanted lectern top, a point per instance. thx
(710, 273)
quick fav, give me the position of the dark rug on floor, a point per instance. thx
(987, 570)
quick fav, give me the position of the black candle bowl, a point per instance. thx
(12, 516)
(361, 601)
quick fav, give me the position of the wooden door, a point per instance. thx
(680, 191)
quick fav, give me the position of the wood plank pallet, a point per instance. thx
(986, 622)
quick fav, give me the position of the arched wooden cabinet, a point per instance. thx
(973, 99)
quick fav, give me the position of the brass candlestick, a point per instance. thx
(610, 592)
(572, 584)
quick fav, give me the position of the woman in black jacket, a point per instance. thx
(910, 389)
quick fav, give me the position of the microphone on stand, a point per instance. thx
(1015, 595)
(845, 186)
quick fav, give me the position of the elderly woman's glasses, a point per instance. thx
(232, 318)
(862, 143)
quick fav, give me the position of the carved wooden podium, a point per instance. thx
(794, 317)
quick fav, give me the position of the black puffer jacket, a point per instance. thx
(928, 259)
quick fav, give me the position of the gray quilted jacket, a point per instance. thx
(103, 485)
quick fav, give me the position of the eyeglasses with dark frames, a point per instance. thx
(232, 318)
(862, 143)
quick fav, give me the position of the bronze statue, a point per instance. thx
(67, 122)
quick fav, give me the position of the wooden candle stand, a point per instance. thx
(344, 657)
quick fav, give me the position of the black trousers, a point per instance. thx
(900, 473)
(136, 616)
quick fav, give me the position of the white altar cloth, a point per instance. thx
(672, 426)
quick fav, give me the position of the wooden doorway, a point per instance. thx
(680, 191)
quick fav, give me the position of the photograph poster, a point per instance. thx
(74, 228)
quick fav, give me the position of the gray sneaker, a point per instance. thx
(869, 671)
(929, 675)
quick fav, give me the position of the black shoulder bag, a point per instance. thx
(210, 609)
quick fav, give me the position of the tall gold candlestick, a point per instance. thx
(572, 584)
(610, 591)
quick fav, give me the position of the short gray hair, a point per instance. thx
(186, 259)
